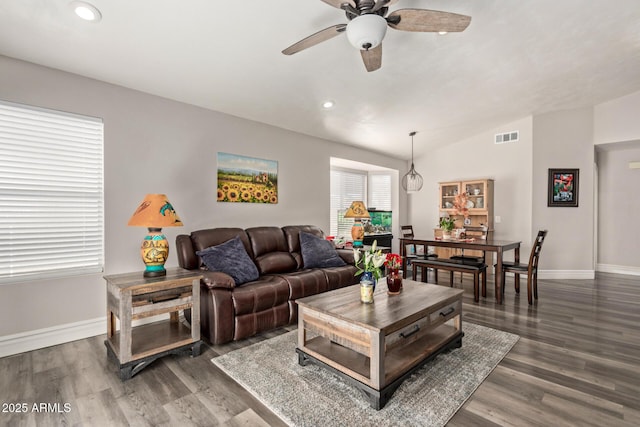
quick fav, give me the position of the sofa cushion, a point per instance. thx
(303, 283)
(270, 250)
(230, 257)
(263, 294)
(338, 277)
(318, 252)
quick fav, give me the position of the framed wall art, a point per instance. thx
(563, 188)
(244, 179)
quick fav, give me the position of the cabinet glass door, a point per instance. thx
(476, 194)
(448, 193)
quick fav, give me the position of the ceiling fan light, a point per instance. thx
(366, 31)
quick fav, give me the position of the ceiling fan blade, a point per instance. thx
(372, 58)
(339, 3)
(314, 39)
(424, 20)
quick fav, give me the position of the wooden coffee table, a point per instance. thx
(376, 346)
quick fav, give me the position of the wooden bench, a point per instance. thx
(453, 265)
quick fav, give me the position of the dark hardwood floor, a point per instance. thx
(577, 363)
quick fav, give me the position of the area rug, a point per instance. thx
(313, 396)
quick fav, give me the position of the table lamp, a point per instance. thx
(357, 211)
(155, 212)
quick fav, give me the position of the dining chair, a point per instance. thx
(530, 269)
(480, 232)
(407, 233)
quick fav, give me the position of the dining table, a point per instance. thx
(485, 245)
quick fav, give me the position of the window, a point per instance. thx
(374, 188)
(51, 193)
(346, 186)
(379, 191)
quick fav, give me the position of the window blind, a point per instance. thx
(379, 192)
(51, 193)
(346, 186)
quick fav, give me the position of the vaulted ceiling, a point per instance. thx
(515, 59)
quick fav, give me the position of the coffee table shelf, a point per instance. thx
(396, 361)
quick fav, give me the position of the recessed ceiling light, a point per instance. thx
(442, 33)
(86, 11)
(328, 104)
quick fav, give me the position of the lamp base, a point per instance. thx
(358, 244)
(357, 233)
(154, 273)
(154, 252)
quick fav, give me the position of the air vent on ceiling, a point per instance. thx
(503, 138)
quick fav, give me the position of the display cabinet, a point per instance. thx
(479, 204)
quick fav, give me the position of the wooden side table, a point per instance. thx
(130, 297)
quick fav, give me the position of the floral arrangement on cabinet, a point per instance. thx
(460, 204)
(447, 223)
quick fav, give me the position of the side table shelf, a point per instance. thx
(130, 297)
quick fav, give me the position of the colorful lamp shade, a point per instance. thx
(155, 212)
(357, 211)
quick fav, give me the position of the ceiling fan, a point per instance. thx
(368, 22)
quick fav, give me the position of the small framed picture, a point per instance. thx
(563, 188)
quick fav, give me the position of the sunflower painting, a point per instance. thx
(247, 179)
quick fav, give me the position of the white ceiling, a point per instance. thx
(516, 58)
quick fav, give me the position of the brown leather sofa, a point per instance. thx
(229, 312)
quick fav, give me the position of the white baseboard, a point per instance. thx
(618, 269)
(40, 338)
(566, 274)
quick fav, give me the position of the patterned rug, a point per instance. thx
(313, 396)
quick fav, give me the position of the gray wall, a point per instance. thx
(154, 145)
(564, 139)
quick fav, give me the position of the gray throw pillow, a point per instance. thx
(232, 258)
(318, 253)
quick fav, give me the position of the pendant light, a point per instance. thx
(412, 180)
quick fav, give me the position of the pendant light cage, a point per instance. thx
(412, 181)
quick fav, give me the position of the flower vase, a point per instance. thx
(367, 287)
(367, 276)
(394, 282)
